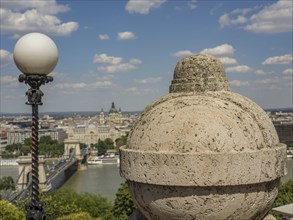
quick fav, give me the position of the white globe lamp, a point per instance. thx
(35, 54)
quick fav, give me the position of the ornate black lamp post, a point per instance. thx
(35, 55)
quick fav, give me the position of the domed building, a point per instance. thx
(115, 116)
(99, 127)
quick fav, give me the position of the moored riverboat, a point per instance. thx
(100, 160)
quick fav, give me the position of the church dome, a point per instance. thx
(113, 109)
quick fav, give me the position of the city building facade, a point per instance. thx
(18, 136)
(100, 128)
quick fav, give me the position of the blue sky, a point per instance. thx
(126, 51)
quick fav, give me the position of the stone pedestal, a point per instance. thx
(203, 152)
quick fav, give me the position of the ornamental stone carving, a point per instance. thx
(203, 152)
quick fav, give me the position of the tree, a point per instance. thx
(123, 204)
(64, 202)
(78, 216)
(12, 148)
(285, 194)
(10, 212)
(7, 183)
(6, 186)
(121, 141)
(26, 146)
(82, 145)
(109, 143)
(95, 205)
(102, 148)
(28, 141)
(25, 149)
(47, 140)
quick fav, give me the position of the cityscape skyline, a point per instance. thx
(126, 51)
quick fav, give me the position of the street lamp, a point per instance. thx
(35, 55)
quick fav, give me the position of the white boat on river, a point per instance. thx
(103, 160)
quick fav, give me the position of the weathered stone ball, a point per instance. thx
(199, 73)
(203, 152)
(35, 54)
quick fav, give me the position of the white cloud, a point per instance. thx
(81, 85)
(127, 35)
(242, 11)
(275, 18)
(192, 4)
(8, 79)
(142, 7)
(228, 60)
(238, 83)
(138, 91)
(239, 69)
(104, 78)
(225, 20)
(104, 37)
(224, 49)
(48, 6)
(71, 85)
(261, 72)
(101, 84)
(122, 67)
(5, 58)
(9, 82)
(182, 53)
(268, 81)
(285, 59)
(114, 64)
(20, 17)
(135, 61)
(104, 58)
(288, 71)
(148, 80)
(132, 89)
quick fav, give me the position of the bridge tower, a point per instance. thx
(72, 146)
(24, 170)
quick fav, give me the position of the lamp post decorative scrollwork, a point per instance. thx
(35, 55)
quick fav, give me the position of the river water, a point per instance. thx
(104, 179)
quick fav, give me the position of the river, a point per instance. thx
(104, 179)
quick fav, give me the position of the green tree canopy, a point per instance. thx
(109, 143)
(6, 186)
(123, 204)
(12, 148)
(28, 141)
(47, 140)
(65, 202)
(10, 212)
(7, 183)
(78, 216)
(121, 141)
(102, 148)
(285, 194)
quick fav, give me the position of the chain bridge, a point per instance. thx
(51, 178)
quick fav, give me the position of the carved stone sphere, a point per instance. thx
(203, 154)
